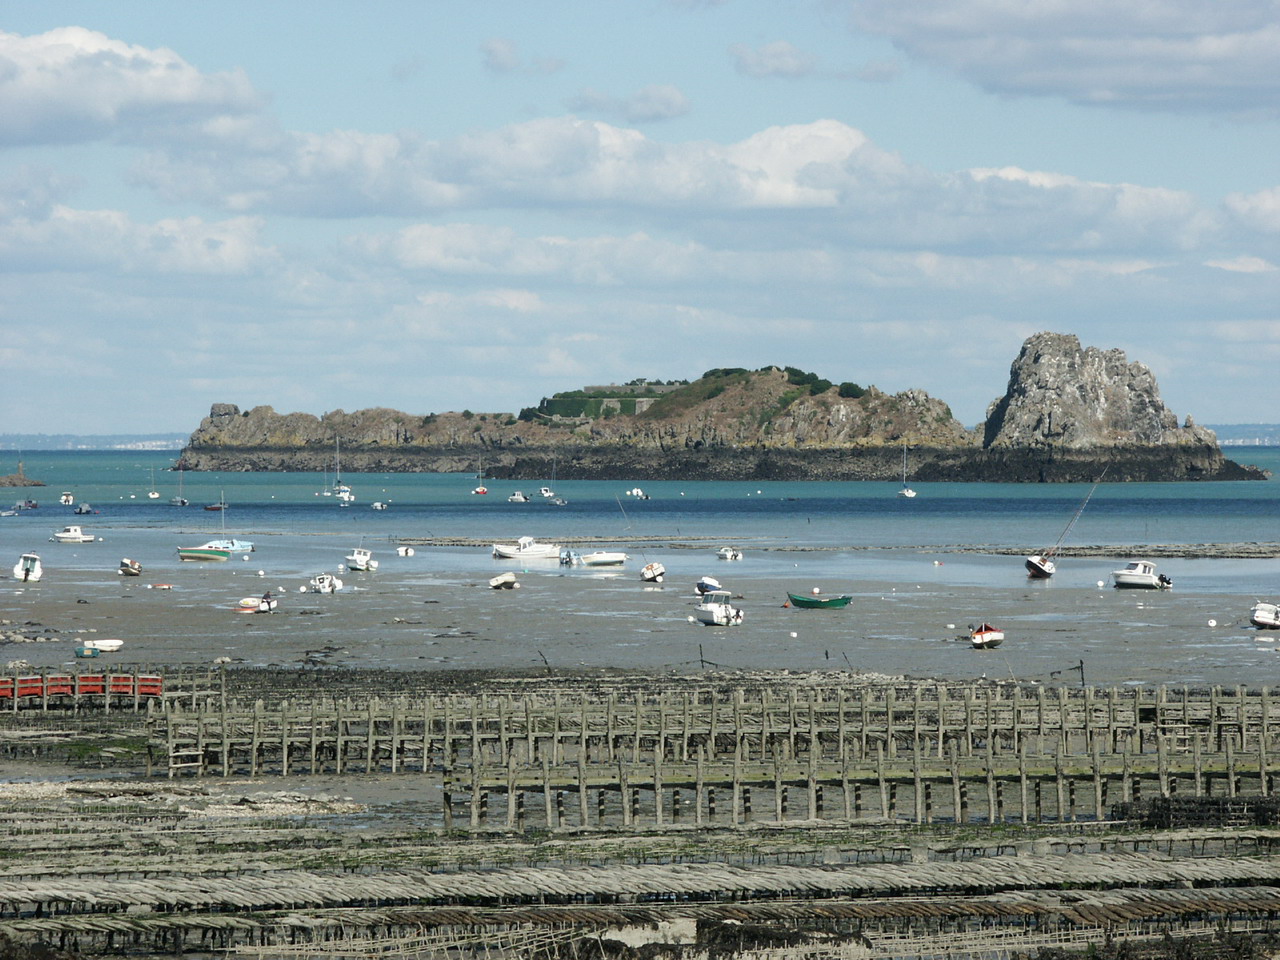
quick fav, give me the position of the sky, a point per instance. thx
(435, 206)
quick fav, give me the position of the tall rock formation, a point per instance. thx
(1071, 397)
(1070, 412)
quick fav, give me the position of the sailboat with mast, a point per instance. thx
(179, 500)
(906, 491)
(220, 549)
(340, 489)
(1040, 566)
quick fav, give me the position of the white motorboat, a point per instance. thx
(72, 534)
(716, 610)
(546, 492)
(526, 548)
(1141, 574)
(653, 572)
(28, 568)
(729, 553)
(504, 581)
(1265, 616)
(597, 558)
(379, 505)
(707, 585)
(129, 568)
(518, 497)
(985, 636)
(67, 498)
(325, 583)
(104, 645)
(361, 560)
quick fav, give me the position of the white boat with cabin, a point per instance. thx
(653, 572)
(361, 559)
(716, 610)
(72, 534)
(129, 568)
(707, 585)
(325, 583)
(28, 568)
(1140, 574)
(518, 497)
(1265, 615)
(729, 553)
(526, 548)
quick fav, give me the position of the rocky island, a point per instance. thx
(1068, 413)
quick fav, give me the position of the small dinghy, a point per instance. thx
(707, 584)
(504, 581)
(129, 568)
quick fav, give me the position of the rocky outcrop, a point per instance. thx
(1066, 414)
(1064, 396)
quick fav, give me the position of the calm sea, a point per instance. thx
(918, 570)
(857, 514)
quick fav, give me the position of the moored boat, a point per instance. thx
(72, 534)
(1040, 567)
(985, 636)
(28, 568)
(206, 551)
(504, 581)
(1140, 574)
(653, 572)
(818, 601)
(361, 560)
(526, 548)
(707, 584)
(325, 583)
(597, 558)
(729, 553)
(716, 610)
(266, 603)
(518, 497)
(129, 568)
(1265, 616)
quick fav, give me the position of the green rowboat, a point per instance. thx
(819, 602)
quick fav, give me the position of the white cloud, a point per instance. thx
(1242, 264)
(776, 59)
(850, 189)
(70, 239)
(72, 85)
(1171, 55)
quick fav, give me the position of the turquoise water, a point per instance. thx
(853, 514)
(917, 569)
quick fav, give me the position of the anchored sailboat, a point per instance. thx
(1040, 566)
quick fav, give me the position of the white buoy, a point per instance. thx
(691, 620)
(1101, 583)
(1213, 623)
(262, 573)
(794, 635)
(816, 591)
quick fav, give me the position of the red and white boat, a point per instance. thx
(985, 636)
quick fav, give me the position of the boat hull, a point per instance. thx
(203, 553)
(1040, 568)
(818, 602)
(1265, 616)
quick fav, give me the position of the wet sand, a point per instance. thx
(416, 617)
